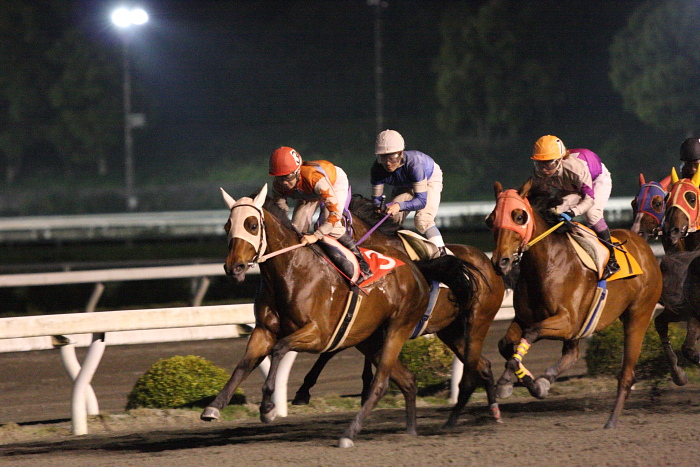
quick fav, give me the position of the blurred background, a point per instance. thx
(214, 87)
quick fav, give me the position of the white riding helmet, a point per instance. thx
(389, 142)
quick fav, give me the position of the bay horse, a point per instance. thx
(463, 331)
(555, 291)
(648, 208)
(302, 298)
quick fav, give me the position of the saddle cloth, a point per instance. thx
(380, 264)
(594, 255)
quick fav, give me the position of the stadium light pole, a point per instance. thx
(126, 19)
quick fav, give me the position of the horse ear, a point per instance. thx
(641, 180)
(674, 175)
(696, 178)
(228, 199)
(665, 183)
(525, 189)
(260, 198)
(497, 188)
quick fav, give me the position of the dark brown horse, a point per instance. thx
(302, 299)
(555, 291)
(681, 301)
(648, 209)
(462, 331)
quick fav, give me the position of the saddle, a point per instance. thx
(417, 246)
(594, 254)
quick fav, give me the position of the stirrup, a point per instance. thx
(611, 268)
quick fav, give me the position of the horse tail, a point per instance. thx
(457, 274)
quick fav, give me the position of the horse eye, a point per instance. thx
(519, 216)
(657, 203)
(691, 198)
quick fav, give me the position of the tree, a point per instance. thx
(655, 64)
(491, 79)
(86, 99)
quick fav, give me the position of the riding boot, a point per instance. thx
(612, 267)
(347, 241)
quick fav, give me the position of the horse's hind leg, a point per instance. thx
(303, 395)
(259, 345)
(389, 357)
(661, 324)
(691, 340)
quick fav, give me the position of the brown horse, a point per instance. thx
(555, 291)
(302, 298)
(463, 333)
(648, 208)
(682, 215)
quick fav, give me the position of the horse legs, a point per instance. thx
(635, 327)
(506, 347)
(367, 377)
(303, 395)
(661, 324)
(691, 340)
(259, 345)
(569, 355)
(387, 362)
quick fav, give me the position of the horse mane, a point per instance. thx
(279, 213)
(543, 197)
(364, 209)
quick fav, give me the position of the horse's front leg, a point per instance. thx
(691, 339)
(556, 326)
(506, 347)
(305, 339)
(570, 354)
(259, 346)
(661, 324)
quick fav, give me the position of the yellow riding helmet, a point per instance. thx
(548, 148)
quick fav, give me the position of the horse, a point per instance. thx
(555, 291)
(679, 231)
(463, 333)
(302, 299)
(648, 208)
(681, 301)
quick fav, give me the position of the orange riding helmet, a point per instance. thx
(284, 161)
(548, 148)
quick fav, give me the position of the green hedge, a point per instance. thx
(604, 352)
(429, 359)
(179, 382)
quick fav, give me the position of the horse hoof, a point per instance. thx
(269, 416)
(504, 391)
(346, 443)
(209, 414)
(679, 377)
(541, 388)
(301, 399)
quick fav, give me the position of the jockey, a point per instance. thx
(584, 182)
(312, 184)
(417, 182)
(690, 155)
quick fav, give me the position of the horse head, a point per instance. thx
(648, 208)
(512, 222)
(682, 209)
(246, 233)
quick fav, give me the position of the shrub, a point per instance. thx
(429, 359)
(604, 352)
(178, 382)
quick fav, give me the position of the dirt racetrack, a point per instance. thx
(657, 427)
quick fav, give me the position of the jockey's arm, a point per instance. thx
(420, 197)
(324, 189)
(377, 192)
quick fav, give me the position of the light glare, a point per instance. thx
(123, 17)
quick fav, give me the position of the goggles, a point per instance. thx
(390, 158)
(287, 178)
(547, 165)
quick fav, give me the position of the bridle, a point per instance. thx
(506, 202)
(238, 230)
(645, 198)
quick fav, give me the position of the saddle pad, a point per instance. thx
(628, 265)
(417, 246)
(380, 264)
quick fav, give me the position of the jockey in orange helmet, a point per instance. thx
(314, 184)
(584, 182)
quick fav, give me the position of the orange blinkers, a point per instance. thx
(507, 202)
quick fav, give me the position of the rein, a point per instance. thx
(544, 234)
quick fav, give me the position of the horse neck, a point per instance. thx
(549, 249)
(360, 228)
(278, 236)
